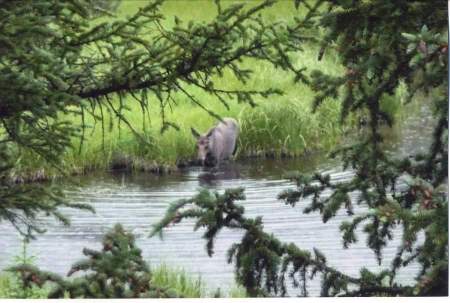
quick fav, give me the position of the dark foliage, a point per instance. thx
(60, 59)
(381, 44)
(117, 271)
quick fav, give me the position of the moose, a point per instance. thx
(218, 144)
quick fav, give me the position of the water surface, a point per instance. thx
(139, 200)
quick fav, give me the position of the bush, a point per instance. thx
(117, 271)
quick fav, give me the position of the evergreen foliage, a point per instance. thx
(117, 271)
(382, 44)
(11, 284)
(61, 58)
(262, 262)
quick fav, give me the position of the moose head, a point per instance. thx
(203, 144)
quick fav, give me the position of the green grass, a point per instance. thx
(177, 279)
(162, 275)
(189, 286)
(279, 123)
(184, 284)
(12, 287)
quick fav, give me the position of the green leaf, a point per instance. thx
(410, 37)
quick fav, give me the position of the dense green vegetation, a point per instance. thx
(184, 284)
(187, 286)
(120, 260)
(82, 89)
(12, 286)
(67, 64)
(266, 128)
(382, 44)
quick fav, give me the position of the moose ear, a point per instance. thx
(195, 133)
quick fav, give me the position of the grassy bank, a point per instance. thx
(163, 276)
(277, 125)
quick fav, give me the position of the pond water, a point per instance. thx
(139, 200)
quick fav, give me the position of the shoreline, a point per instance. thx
(130, 164)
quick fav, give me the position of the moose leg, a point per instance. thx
(234, 150)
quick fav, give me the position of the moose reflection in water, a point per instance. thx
(218, 144)
(214, 176)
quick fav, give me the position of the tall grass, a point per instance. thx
(177, 279)
(278, 124)
(189, 286)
